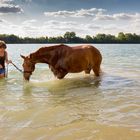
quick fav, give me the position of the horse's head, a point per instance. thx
(28, 67)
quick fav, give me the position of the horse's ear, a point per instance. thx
(22, 56)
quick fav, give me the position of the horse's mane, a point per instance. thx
(43, 50)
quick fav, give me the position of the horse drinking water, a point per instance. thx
(63, 59)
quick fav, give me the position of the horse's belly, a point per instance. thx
(77, 66)
(75, 70)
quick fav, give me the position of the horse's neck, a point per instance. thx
(36, 58)
(47, 55)
(40, 57)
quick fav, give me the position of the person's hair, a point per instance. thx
(3, 44)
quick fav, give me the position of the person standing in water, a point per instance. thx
(3, 59)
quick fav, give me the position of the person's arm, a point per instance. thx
(6, 58)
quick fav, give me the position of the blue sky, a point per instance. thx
(54, 17)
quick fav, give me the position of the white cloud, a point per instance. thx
(59, 13)
(123, 16)
(28, 0)
(5, 1)
(103, 17)
(118, 16)
(56, 28)
(94, 13)
(135, 25)
(29, 22)
(7, 7)
(92, 21)
(78, 13)
(83, 22)
(49, 28)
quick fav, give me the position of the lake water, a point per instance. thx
(79, 107)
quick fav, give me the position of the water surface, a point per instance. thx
(79, 107)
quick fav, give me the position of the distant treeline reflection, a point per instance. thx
(71, 37)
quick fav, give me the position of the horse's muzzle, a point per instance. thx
(27, 76)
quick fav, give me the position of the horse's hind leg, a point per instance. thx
(96, 70)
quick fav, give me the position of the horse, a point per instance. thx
(63, 59)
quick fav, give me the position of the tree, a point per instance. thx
(88, 39)
(100, 38)
(121, 37)
(60, 39)
(69, 37)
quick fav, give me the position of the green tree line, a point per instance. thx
(71, 37)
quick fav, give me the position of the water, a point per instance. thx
(79, 107)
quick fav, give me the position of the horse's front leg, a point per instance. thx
(61, 73)
(58, 72)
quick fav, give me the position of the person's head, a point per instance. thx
(2, 45)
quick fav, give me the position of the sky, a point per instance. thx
(36, 18)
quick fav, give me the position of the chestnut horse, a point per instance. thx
(63, 59)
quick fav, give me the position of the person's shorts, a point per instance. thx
(2, 71)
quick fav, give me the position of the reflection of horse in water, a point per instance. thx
(85, 84)
(63, 59)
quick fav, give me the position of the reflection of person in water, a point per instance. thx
(3, 58)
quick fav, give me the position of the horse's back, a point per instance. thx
(87, 51)
(82, 58)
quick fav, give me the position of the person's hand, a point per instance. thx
(9, 61)
(1, 66)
